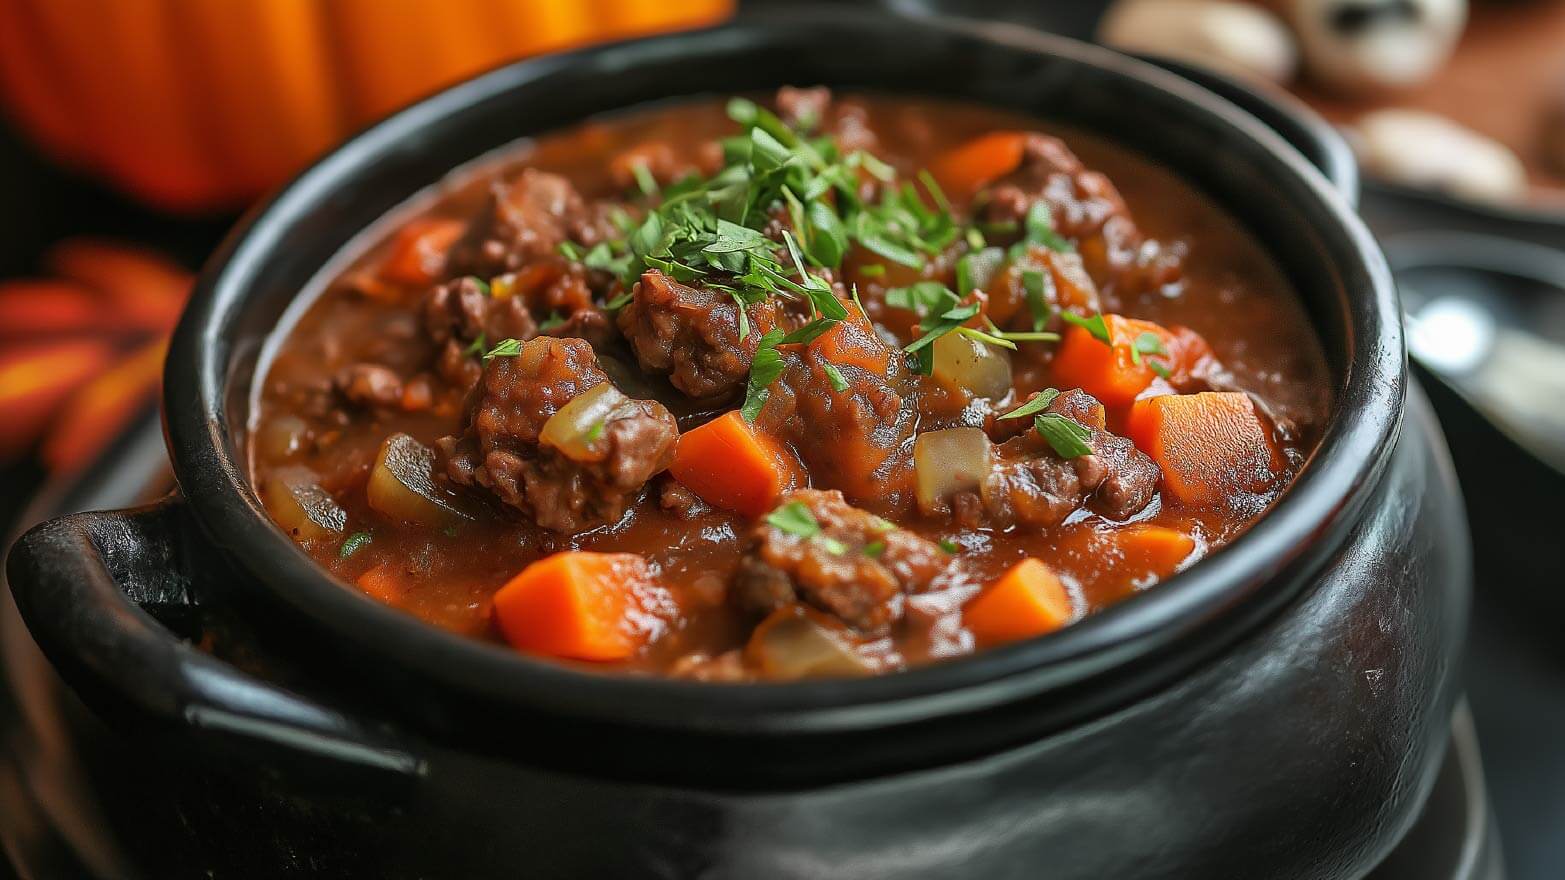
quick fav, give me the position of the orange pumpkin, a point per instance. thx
(204, 104)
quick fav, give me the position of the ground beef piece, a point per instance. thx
(858, 439)
(524, 220)
(500, 449)
(691, 334)
(1030, 485)
(461, 310)
(857, 568)
(1085, 207)
(592, 324)
(368, 385)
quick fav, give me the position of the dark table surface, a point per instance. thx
(1516, 671)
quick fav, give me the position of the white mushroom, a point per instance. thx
(1227, 36)
(1425, 150)
(1375, 45)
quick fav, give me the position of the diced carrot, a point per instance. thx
(732, 464)
(1028, 600)
(853, 343)
(418, 253)
(1155, 550)
(383, 583)
(147, 291)
(97, 412)
(968, 167)
(579, 604)
(1108, 370)
(1209, 445)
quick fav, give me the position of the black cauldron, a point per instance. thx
(1279, 710)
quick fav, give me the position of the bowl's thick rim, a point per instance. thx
(1261, 570)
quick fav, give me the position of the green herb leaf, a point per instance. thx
(570, 250)
(506, 348)
(949, 546)
(594, 432)
(744, 316)
(872, 270)
(644, 179)
(1094, 325)
(477, 346)
(975, 271)
(834, 375)
(795, 519)
(809, 332)
(828, 238)
(353, 544)
(1069, 439)
(1039, 227)
(1038, 403)
(1146, 343)
(765, 367)
(875, 549)
(483, 285)
(1038, 287)
(832, 545)
(619, 302)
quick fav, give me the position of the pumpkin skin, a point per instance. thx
(201, 105)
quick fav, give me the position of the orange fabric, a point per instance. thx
(1209, 446)
(1028, 600)
(731, 464)
(572, 604)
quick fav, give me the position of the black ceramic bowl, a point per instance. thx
(1278, 710)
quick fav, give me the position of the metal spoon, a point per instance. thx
(1486, 316)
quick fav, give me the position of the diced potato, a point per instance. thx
(965, 363)
(401, 485)
(576, 430)
(298, 504)
(281, 438)
(794, 642)
(947, 462)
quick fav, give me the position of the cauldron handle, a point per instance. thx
(83, 584)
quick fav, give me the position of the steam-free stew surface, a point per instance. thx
(1169, 383)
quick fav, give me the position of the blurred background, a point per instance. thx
(134, 132)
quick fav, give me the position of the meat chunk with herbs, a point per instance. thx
(819, 550)
(1084, 206)
(1030, 484)
(844, 402)
(568, 472)
(691, 334)
(525, 219)
(464, 311)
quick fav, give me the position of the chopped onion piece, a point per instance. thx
(947, 462)
(301, 506)
(576, 430)
(794, 642)
(401, 485)
(965, 363)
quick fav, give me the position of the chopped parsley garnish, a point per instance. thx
(1094, 325)
(1069, 439)
(873, 270)
(644, 179)
(476, 346)
(949, 546)
(483, 286)
(506, 348)
(875, 549)
(1038, 286)
(594, 432)
(765, 367)
(834, 375)
(975, 271)
(353, 544)
(618, 302)
(795, 519)
(1038, 229)
(1037, 404)
(1149, 343)
(554, 320)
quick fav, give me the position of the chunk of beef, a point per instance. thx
(860, 438)
(857, 568)
(1085, 207)
(1032, 486)
(592, 324)
(524, 219)
(462, 311)
(369, 385)
(691, 334)
(501, 448)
